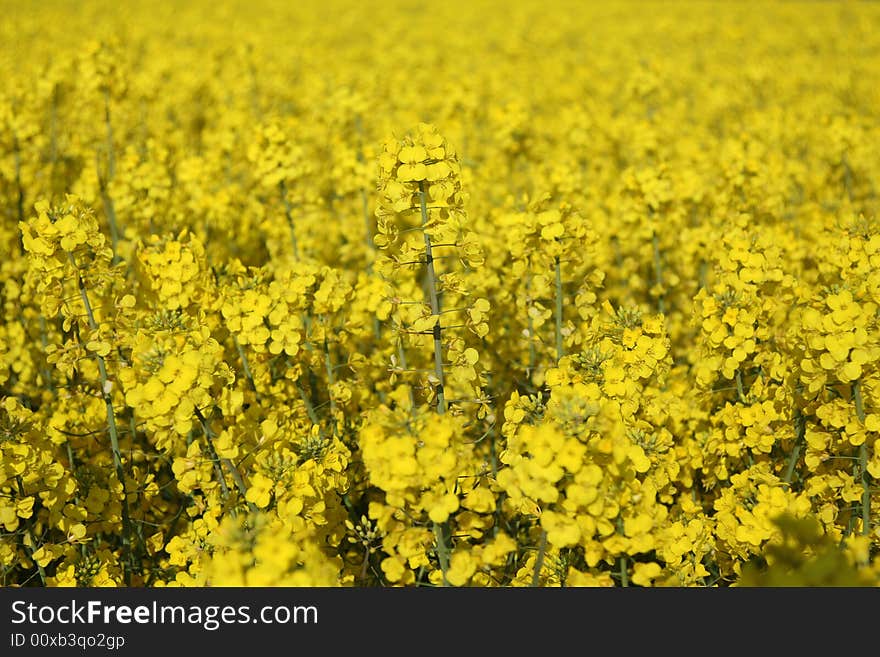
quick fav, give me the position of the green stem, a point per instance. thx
(863, 461)
(800, 430)
(215, 459)
(310, 409)
(227, 463)
(247, 369)
(331, 380)
(739, 387)
(110, 210)
(71, 462)
(435, 304)
(441, 530)
(365, 565)
(866, 489)
(560, 350)
(539, 560)
(111, 425)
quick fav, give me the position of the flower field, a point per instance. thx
(425, 294)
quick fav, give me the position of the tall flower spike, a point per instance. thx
(421, 211)
(68, 257)
(423, 162)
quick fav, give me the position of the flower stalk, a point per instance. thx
(106, 394)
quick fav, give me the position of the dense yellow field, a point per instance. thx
(466, 293)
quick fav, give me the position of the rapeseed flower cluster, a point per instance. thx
(569, 295)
